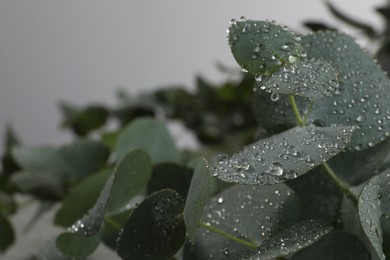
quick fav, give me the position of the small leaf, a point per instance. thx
(338, 245)
(131, 177)
(369, 214)
(155, 229)
(81, 198)
(292, 239)
(261, 48)
(198, 194)
(77, 245)
(251, 213)
(7, 237)
(363, 93)
(149, 135)
(284, 156)
(312, 79)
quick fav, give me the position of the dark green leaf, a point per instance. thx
(170, 176)
(77, 245)
(363, 93)
(7, 203)
(198, 194)
(338, 245)
(11, 139)
(155, 229)
(251, 213)
(81, 198)
(313, 79)
(292, 239)
(131, 177)
(7, 236)
(151, 136)
(261, 48)
(284, 156)
(113, 226)
(318, 26)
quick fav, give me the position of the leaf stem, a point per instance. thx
(339, 182)
(296, 111)
(228, 236)
(112, 222)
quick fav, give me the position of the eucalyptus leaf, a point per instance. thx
(337, 245)
(284, 156)
(155, 229)
(77, 245)
(313, 79)
(363, 93)
(292, 239)
(261, 48)
(250, 213)
(149, 135)
(7, 237)
(81, 198)
(198, 194)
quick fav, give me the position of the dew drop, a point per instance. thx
(275, 97)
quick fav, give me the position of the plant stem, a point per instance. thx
(112, 222)
(339, 182)
(296, 111)
(228, 236)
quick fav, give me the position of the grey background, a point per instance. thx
(81, 51)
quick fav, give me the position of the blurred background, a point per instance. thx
(83, 51)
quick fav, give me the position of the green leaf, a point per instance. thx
(50, 251)
(284, 156)
(261, 48)
(363, 93)
(292, 239)
(151, 136)
(170, 176)
(313, 79)
(251, 213)
(318, 26)
(198, 194)
(10, 139)
(155, 229)
(7, 237)
(77, 245)
(131, 177)
(7, 203)
(81, 198)
(369, 211)
(337, 245)
(113, 225)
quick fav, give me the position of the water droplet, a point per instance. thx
(276, 169)
(220, 200)
(275, 97)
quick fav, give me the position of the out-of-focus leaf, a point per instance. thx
(50, 251)
(77, 245)
(318, 26)
(198, 194)
(367, 29)
(7, 203)
(155, 229)
(7, 236)
(81, 198)
(131, 177)
(149, 135)
(170, 176)
(284, 156)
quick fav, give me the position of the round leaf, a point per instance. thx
(77, 245)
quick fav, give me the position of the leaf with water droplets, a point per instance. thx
(149, 135)
(251, 213)
(312, 79)
(369, 213)
(292, 239)
(155, 229)
(284, 156)
(337, 245)
(363, 93)
(198, 194)
(261, 48)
